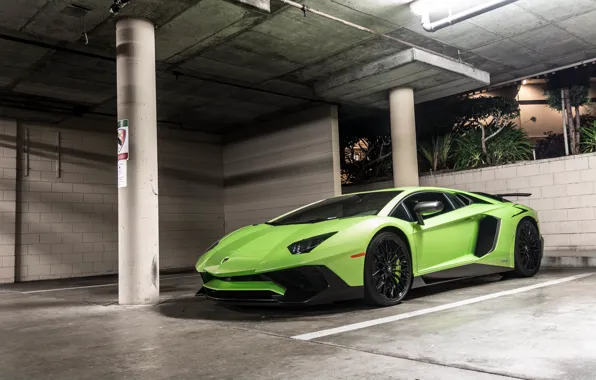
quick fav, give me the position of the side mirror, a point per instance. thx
(427, 208)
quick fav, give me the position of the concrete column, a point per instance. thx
(336, 151)
(403, 137)
(138, 207)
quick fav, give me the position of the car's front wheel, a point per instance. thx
(387, 270)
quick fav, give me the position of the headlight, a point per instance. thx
(307, 245)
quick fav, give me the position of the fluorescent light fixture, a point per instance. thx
(424, 7)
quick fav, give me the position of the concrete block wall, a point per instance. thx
(8, 183)
(563, 192)
(191, 210)
(66, 220)
(295, 163)
(66, 226)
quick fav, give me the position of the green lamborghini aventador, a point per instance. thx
(374, 245)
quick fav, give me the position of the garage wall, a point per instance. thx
(66, 223)
(191, 211)
(8, 183)
(66, 226)
(563, 192)
(294, 161)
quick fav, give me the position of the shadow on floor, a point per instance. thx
(200, 308)
(454, 285)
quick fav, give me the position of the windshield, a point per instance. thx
(339, 207)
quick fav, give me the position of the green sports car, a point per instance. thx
(374, 245)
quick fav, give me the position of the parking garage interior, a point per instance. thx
(235, 110)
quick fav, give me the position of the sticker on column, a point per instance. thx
(122, 139)
(122, 173)
(123, 153)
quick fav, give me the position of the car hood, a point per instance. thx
(250, 248)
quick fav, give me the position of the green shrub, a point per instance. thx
(588, 139)
(468, 150)
(438, 152)
(509, 145)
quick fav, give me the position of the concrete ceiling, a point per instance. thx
(215, 56)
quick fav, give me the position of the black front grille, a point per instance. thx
(308, 284)
(300, 283)
(308, 279)
(254, 277)
(240, 295)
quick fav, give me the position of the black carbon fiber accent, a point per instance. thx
(488, 233)
(240, 295)
(303, 285)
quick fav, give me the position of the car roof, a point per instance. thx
(411, 189)
(407, 189)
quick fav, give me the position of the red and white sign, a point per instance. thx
(123, 138)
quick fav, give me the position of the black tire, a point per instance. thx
(387, 270)
(528, 251)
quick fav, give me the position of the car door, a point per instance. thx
(446, 237)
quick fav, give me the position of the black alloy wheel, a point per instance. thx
(388, 270)
(529, 247)
(528, 250)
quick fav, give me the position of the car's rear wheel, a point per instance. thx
(387, 270)
(528, 250)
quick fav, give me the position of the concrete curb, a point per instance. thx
(569, 259)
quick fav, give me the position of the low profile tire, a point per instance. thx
(387, 270)
(528, 251)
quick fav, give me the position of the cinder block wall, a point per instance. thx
(8, 187)
(66, 221)
(66, 225)
(563, 192)
(293, 162)
(191, 210)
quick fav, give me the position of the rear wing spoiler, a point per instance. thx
(501, 197)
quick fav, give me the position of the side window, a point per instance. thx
(464, 199)
(468, 199)
(455, 200)
(414, 199)
(400, 212)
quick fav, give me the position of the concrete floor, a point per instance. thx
(48, 331)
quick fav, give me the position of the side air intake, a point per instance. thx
(488, 233)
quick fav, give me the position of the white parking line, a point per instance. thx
(399, 317)
(92, 286)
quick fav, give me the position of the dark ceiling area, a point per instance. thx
(221, 65)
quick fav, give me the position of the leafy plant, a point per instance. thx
(550, 146)
(488, 114)
(578, 96)
(510, 145)
(575, 97)
(587, 121)
(588, 139)
(438, 151)
(468, 153)
(366, 158)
